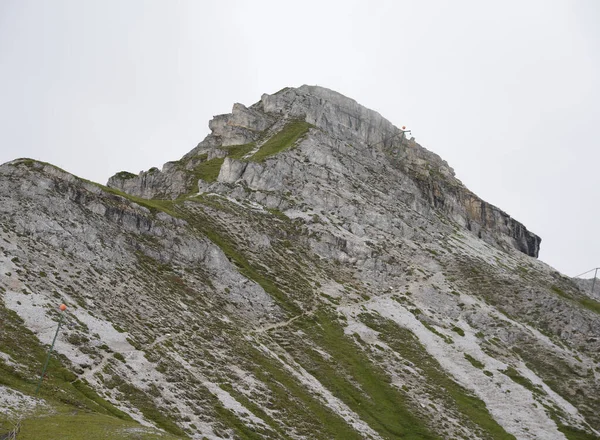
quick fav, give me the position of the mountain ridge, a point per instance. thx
(339, 116)
(322, 289)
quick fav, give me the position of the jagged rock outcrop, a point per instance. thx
(304, 272)
(372, 146)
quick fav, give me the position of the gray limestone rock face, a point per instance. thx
(232, 170)
(303, 268)
(152, 184)
(349, 143)
(344, 118)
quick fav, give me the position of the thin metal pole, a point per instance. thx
(62, 314)
(594, 282)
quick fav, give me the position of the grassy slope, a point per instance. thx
(72, 404)
(66, 423)
(354, 379)
(368, 392)
(404, 342)
(283, 140)
(552, 368)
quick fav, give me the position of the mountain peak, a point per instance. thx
(314, 137)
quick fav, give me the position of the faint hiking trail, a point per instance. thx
(268, 327)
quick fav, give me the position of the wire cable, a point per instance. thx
(591, 270)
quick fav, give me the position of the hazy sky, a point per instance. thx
(508, 92)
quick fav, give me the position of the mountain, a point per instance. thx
(305, 272)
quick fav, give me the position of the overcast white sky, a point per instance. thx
(508, 92)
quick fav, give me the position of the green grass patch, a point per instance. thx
(576, 434)
(458, 330)
(354, 379)
(447, 339)
(560, 292)
(227, 245)
(474, 362)
(88, 392)
(590, 304)
(209, 170)
(243, 431)
(76, 404)
(125, 175)
(146, 405)
(523, 381)
(67, 424)
(59, 385)
(301, 409)
(283, 140)
(277, 213)
(405, 343)
(254, 409)
(587, 303)
(239, 151)
(154, 205)
(522, 270)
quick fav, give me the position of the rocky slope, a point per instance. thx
(304, 272)
(589, 286)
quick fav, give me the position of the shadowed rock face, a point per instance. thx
(375, 152)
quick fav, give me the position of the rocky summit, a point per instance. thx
(306, 272)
